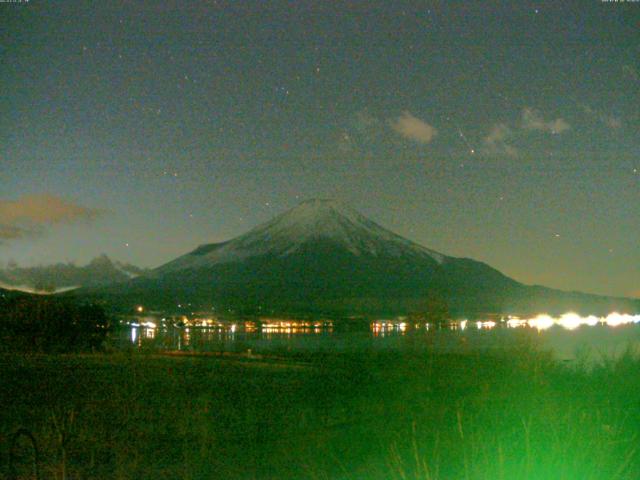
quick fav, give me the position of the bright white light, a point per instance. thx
(541, 322)
(485, 325)
(463, 324)
(516, 322)
(591, 320)
(571, 321)
(614, 319)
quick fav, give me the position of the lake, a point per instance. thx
(569, 337)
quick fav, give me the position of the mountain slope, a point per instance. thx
(289, 232)
(324, 258)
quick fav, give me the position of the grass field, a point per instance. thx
(513, 415)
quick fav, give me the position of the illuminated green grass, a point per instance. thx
(516, 415)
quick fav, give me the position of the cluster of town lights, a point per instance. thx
(568, 321)
(571, 321)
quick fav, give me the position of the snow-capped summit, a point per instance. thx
(324, 258)
(315, 220)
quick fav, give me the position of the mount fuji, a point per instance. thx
(324, 258)
(291, 233)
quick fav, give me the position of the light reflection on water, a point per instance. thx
(565, 336)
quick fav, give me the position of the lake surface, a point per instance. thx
(568, 338)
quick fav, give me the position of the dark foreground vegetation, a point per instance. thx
(36, 323)
(515, 415)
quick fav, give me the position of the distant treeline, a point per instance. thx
(35, 323)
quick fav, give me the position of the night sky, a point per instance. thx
(508, 132)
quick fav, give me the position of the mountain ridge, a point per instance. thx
(64, 276)
(324, 258)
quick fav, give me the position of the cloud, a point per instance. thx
(532, 120)
(497, 141)
(608, 120)
(413, 128)
(31, 214)
(497, 134)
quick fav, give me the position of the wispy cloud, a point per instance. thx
(31, 214)
(497, 141)
(609, 121)
(532, 120)
(413, 128)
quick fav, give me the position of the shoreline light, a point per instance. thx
(541, 322)
(572, 321)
